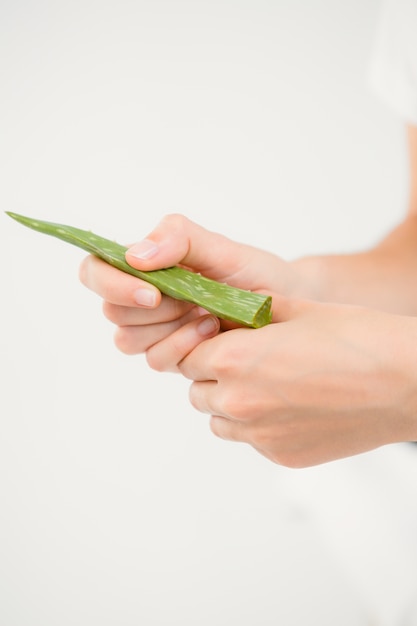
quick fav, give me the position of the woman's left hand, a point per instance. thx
(325, 382)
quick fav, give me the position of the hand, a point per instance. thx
(328, 381)
(144, 317)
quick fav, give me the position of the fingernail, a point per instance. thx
(208, 326)
(144, 297)
(144, 249)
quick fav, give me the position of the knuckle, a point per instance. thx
(83, 272)
(233, 404)
(154, 361)
(292, 460)
(215, 426)
(226, 363)
(278, 448)
(178, 345)
(111, 312)
(175, 221)
(261, 438)
(123, 341)
(194, 397)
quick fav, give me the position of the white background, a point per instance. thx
(118, 506)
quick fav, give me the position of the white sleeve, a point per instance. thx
(393, 73)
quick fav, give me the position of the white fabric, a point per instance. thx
(394, 59)
(366, 509)
(366, 506)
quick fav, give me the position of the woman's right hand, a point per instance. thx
(144, 316)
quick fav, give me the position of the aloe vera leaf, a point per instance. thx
(226, 302)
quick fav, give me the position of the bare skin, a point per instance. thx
(331, 377)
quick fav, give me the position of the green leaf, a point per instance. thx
(226, 302)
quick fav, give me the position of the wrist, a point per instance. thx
(393, 369)
(407, 414)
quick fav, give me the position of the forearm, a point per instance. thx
(384, 277)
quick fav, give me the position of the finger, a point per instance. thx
(204, 398)
(166, 354)
(178, 240)
(211, 360)
(227, 429)
(138, 339)
(168, 310)
(115, 286)
(135, 297)
(240, 432)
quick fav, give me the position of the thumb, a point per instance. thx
(179, 241)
